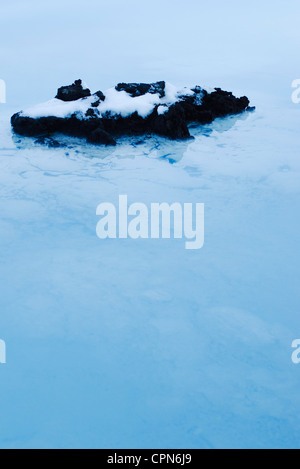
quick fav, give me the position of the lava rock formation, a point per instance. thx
(169, 115)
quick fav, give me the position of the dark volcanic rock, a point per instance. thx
(29, 127)
(172, 124)
(99, 136)
(73, 92)
(49, 142)
(100, 95)
(222, 103)
(140, 89)
(93, 119)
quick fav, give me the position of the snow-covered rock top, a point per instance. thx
(115, 101)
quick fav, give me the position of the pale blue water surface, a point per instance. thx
(143, 344)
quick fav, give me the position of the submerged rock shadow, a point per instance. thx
(149, 146)
(174, 151)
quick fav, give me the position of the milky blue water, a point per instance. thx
(141, 343)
